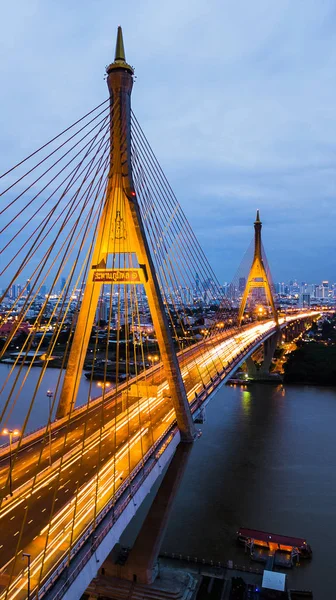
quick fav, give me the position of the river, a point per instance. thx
(21, 399)
(266, 460)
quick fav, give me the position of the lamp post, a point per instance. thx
(153, 359)
(28, 557)
(11, 433)
(49, 396)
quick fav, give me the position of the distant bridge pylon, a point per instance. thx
(257, 277)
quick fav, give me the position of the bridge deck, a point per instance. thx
(54, 506)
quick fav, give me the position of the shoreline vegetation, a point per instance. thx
(312, 363)
(314, 360)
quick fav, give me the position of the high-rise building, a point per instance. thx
(242, 284)
(317, 291)
(305, 300)
(325, 289)
(13, 292)
(197, 285)
(103, 309)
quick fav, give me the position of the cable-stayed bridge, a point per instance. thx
(116, 284)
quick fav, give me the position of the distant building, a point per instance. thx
(103, 310)
(305, 300)
(325, 289)
(13, 292)
(63, 283)
(242, 284)
(197, 285)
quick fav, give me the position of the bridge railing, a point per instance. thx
(165, 439)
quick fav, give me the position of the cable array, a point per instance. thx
(55, 208)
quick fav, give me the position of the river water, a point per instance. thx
(266, 460)
(21, 399)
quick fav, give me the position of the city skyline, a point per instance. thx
(322, 289)
(256, 132)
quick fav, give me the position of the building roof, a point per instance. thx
(274, 581)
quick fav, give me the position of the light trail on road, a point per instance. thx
(120, 445)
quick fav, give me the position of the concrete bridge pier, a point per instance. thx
(269, 347)
(251, 367)
(141, 566)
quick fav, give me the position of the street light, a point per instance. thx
(27, 556)
(153, 358)
(49, 396)
(11, 433)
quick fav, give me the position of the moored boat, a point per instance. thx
(274, 542)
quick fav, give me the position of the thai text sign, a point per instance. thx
(118, 276)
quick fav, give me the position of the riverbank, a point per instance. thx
(312, 363)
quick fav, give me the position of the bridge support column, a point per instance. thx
(269, 348)
(142, 563)
(251, 367)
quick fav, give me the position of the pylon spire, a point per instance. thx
(257, 277)
(119, 50)
(120, 236)
(119, 55)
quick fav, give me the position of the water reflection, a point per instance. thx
(246, 401)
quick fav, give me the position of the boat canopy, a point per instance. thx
(274, 538)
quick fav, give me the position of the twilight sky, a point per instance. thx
(237, 99)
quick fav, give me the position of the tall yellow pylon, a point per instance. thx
(121, 235)
(257, 277)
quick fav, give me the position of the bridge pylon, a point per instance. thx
(121, 253)
(257, 277)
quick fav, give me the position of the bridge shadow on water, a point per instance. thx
(223, 485)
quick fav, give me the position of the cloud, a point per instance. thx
(236, 99)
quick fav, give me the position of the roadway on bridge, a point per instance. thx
(47, 518)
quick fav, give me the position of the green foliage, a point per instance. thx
(312, 363)
(328, 331)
